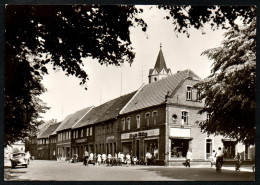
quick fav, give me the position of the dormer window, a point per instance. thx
(123, 124)
(188, 93)
(138, 121)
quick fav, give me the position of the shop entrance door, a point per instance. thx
(137, 149)
(229, 149)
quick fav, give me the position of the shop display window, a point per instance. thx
(151, 146)
(179, 147)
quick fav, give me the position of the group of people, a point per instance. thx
(110, 160)
(118, 159)
(217, 157)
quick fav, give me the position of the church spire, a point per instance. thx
(160, 69)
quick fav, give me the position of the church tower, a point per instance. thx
(160, 69)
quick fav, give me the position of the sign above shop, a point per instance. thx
(180, 132)
(109, 138)
(144, 133)
(81, 140)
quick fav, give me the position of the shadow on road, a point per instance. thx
(201, 174)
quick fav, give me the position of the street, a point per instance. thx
(44, 170)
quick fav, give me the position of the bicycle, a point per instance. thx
(218, 165)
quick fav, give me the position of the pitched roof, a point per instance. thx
(160, 63)
(62, 123)
(49, 130)
(44, 126)
(154, 93)
(74, 118)
(106, 111)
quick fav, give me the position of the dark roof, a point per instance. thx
(49, 130)
(44, 126)
(160, 63)
(154, 93)
(106, 111)
(74, 118)
(62, 123)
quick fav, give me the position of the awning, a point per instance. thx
(188, 138)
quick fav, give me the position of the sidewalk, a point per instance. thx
(7, 168)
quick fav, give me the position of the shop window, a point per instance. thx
(151, 146)
(188, 93)
(208, 148)
(147, 117)
(138, 121)
(128, 123)
(179, 147)
(155, 114)
(184, 117)
(229, 149)
(123, 124)
(90, 131)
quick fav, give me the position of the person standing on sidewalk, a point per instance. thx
(86, 155)
(188, 158)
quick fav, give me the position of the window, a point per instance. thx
(198, 95)
(208, 148)
(77, 134)
(81, 133)
(184, 117)
(138, 121)
(147, 117)
(90, 131)
(123, 124)
(155, 79)
(155, 114)
(179, 147)
(74, 133)
(188, 93)
(69, 134)
(87, 132)
(128, 123)
(111, 127)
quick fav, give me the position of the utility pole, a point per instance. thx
(121, 85)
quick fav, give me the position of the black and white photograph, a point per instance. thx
(129, 92)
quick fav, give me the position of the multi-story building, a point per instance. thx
(46, 143)
(98, 131)
(64, 134)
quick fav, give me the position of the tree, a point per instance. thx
(184, 17)
(37, 35)
(230, 90)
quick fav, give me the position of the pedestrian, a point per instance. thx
(91, 159)
(135, 160)
(115, 160)
(188, 158)
(86, 156)
(128, 159)
(109, 158)
(148, 158)
(219, 156)
(238, 161)
(95, 158)
(122, 156)
(104, 158)
(213, 159)
(99, 159)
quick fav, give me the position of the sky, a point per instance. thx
(65, 96)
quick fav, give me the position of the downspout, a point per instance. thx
(166, 131)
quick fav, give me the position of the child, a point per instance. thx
(134, 160)
(213, 158)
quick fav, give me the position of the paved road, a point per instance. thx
(52, 171)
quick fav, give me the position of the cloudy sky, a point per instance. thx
(65, 95)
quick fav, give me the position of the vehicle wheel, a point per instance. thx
(25, 166)
(13, 166)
